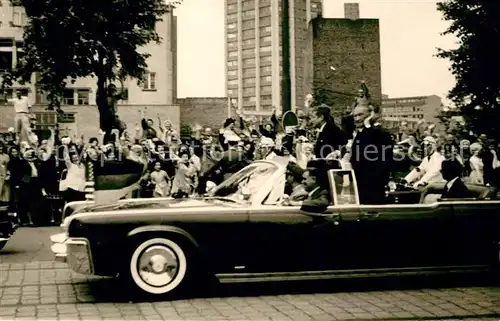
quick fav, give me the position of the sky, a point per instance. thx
(410, 32)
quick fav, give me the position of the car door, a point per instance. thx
(476, 232)
(287, 239)
(399, 236)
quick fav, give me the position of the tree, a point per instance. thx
(475, 63)
(69, 39)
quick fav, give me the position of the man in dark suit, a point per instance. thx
(330, 136)
(230, 162)
(371, 157)
(316, 182)
(455, 187)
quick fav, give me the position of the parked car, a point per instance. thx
(243, 232)
(8, 225)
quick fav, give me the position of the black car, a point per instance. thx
(243, 232)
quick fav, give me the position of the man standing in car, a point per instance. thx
(371, 156)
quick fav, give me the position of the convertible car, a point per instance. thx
(244, 232)
(8, 225)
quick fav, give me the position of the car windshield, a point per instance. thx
(247, 181)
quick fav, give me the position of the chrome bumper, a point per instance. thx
(74, 251)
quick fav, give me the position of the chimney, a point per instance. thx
(351, 11)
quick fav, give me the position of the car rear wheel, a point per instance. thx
(158, 266)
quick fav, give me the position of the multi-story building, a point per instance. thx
(156, 96)
(412, 110)
(343, 52)
(254, 51)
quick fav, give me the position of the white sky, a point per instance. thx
(409, 32)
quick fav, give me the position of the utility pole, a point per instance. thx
(286, 91)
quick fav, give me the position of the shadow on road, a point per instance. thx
(113, 290)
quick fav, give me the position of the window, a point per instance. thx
(249, 24)
(249, 81)
(231, 35)
(232, 92)
(249, 52)
(265, 97)
(5, 60)
(83, 96)
(249, 99)
(232, 63)
(265, 21)
(232, 73)
(66, 118)
(249, 33)
(266, 78)
(232, 82)
(266, 89)
(265, 69)
(45, 119)
(265, 59)
(231, 26)
(232, 16)
(265, 49)
(233, 54)
(249, 13)
(249, 91)
(265, 11)
(265, 29)
(249, 61)
(231, 7)
(266, 39)
(149, 81)
(232, 45)
(249, 42)
(69, 97)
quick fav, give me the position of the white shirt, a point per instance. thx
(75, 179)
(430, 170)
(20, 105)
(450, 183)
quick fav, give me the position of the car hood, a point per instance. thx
(156, 204)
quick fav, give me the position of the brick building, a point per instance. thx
(204, 111)
(352, 47)
(158, 93)
(411, 110)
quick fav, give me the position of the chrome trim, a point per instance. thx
(4, 239)
(347, 274)
(58, 238)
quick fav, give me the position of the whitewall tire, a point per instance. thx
(158, 266)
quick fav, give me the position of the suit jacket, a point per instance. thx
(317, 202)
(457, 190)
(330, 138)
(231, 162)
(371, 160)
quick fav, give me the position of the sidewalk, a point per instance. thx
(47, 290)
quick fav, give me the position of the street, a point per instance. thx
(34, 287)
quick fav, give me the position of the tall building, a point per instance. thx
(344, 52)
(158, 93)
(411, 110)
(254, 51)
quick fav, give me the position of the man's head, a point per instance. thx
(451, 169)
(429, 145)
(294, 173)
(150, 122)
(18, 94)
(321, 115)
(360, 113)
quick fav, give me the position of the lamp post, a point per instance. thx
(286, 93)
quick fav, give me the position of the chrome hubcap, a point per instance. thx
(158, 265)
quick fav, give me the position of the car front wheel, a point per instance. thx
(158, 266)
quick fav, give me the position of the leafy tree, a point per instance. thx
(69, 39)
(475, 63)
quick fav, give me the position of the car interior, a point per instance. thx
(434, 191)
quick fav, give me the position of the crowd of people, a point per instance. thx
(38, 177)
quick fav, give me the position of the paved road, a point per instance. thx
(32, 287)
(29, 244)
